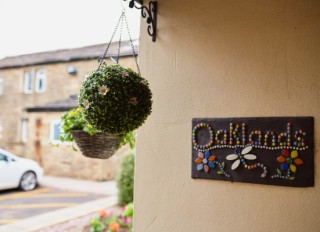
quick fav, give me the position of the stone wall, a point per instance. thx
(60, 85)
(61, 159)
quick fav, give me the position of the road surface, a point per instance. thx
(16, 205)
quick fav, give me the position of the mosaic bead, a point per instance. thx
(294, 154)
(235, 164)
(281, 159)
(298, 161)
(198, 161)
(293, 168)
(206, 168)
(284, 166)
(211, 165)
(201, 155)
(285, 152)
(199, 167)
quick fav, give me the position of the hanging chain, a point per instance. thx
(101, 59)
(132, 46)
(119, 47)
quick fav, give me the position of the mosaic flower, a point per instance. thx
(205, 161)
(240, 155)
(86, 104)
(103, 90)
(289, 160)
(133, 101)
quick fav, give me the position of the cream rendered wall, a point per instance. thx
(225, 59)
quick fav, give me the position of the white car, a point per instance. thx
(18, 172)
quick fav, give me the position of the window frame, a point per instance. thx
(26, 88)
(53, 123)
(40, 75)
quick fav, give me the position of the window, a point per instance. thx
(28, 82)
(3, 157)
(1, 85)
(55, 131)
(24, 130)
(40, 81)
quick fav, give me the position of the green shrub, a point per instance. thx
(125, 179)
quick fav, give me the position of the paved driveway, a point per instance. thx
(16, 205)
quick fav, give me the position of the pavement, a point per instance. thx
(106, 188)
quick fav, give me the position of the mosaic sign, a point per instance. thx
(274, 151)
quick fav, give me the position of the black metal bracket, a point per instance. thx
(149, 12)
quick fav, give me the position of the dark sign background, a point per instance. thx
(304, 175)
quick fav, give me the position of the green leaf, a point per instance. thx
(74, 148)
(279, 172)
(292, 178)
(111, 219)
(128, 211)
(220, 172)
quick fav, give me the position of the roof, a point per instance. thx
(56, 106)
(67, 55)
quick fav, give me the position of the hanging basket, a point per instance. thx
(98, 146)
(116, 100)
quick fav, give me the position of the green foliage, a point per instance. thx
(128, 138)
(109, 221)
(74, 120)
(96, 225)
(128, 210)
(123, 107)
(125, 179)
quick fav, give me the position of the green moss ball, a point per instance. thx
(115, 99)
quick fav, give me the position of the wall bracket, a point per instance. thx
(149, 12)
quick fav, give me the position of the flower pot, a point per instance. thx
(99, 146)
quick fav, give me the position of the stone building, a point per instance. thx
(35, 90)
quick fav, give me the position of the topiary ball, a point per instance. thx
(116, 100)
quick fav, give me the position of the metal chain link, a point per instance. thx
(132, 46)
(119, 47)
(101, 59)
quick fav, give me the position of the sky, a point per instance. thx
(29, 26)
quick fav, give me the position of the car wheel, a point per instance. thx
(28, 181)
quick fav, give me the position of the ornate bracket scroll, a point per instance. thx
(150, 13)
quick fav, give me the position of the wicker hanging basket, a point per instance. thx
(98, 146)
